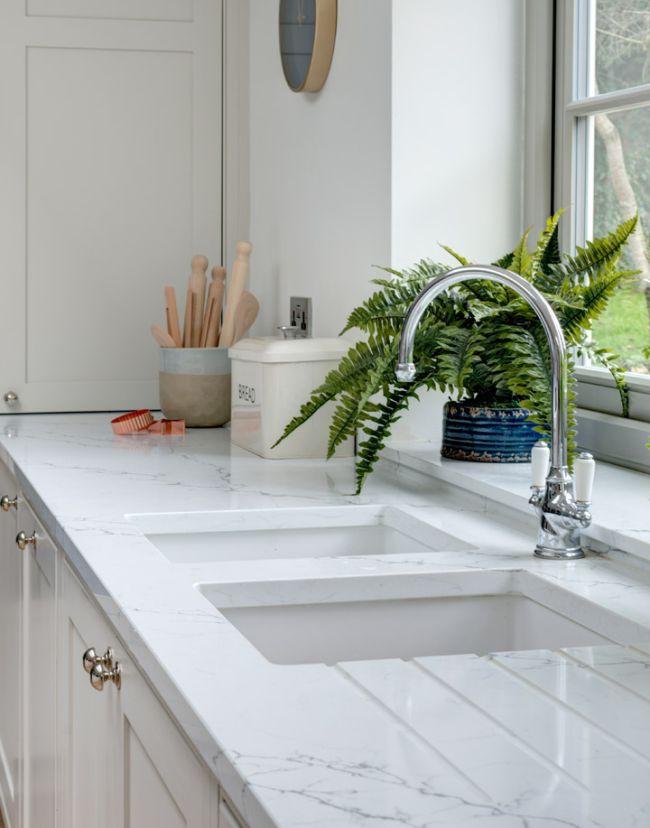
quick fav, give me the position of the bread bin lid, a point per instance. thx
(274, 349)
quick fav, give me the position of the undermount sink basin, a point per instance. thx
(265, 534)
(492, 619)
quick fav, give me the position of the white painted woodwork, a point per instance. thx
(125, 761)
(227, 816)
(88, 744)
(164, 783)
(39, 666)
(110, 759)
(111, 170)
(10, 658)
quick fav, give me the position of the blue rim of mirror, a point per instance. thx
(307, 30)
(297, 30)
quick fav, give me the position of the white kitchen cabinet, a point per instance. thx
(39, 558)
(228, 817)
(124, 761)
(110, 162)
(164, 783)
(10, 655)
(88, 736)
(73, 756)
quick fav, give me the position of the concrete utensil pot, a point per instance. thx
(487, 435)
(195, 385)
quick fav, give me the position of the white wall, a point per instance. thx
(416, 138)
(457, 75)
(457, 125)
(320, 168)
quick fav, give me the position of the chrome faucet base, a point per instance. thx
(559, 554)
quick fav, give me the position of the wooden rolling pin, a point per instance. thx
(245, 315)
(235, 290)
(162, 337)
(197, 285)
(212, 318)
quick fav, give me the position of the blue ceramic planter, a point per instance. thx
(487, 435)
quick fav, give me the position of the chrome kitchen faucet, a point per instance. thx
(562, 514)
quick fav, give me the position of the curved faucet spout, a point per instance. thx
(406, 370)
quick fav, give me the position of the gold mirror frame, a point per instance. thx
(322, 50)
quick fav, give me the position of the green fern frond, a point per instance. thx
(522, 261)
(459, 351)
(460, 259)
(356, 404)
(350, 371)
(505, 262)
(598, 253)
(594, 296)
(547, 250)
(389, 411)
(608, 360)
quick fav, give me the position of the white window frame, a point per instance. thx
(601, 428)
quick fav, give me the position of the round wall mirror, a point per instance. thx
(307, 35)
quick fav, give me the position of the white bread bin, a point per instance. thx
(271, 379)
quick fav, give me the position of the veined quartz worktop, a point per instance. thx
(524, 739)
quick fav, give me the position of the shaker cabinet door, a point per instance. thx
(164, 783)
(110, 162)
(88, 720)
(10, 654)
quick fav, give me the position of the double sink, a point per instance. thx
(334, 584)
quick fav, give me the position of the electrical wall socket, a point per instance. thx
(300, 316)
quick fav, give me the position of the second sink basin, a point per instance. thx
(266, 534)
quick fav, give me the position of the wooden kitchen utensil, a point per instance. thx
(162, 337)
(245, 315)
(198, 281)
(212, 326)
(235, 290)
(187, 323)
(173, 324)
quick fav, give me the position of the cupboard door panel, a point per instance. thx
(10, 656)
(160, 10)
(164, 783)
(89, 720)
(111, 170)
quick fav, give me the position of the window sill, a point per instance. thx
(615, 439)
(621, 499)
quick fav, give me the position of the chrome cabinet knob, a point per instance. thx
(22, 540)
(99, 675)
(11, 398)
(7, 502)
(90, 659)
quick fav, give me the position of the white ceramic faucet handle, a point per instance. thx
(584, 470)
(539, 456)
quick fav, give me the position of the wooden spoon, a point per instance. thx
(162, 337)
(212, 318)
(197, 285)
(246, 314)
(237, 287)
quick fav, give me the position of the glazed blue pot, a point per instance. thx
(487, 435)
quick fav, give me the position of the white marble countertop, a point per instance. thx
(537, 738)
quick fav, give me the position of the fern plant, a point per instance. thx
(480, 341)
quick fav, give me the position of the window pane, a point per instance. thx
(621, 187)
(622, 44)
